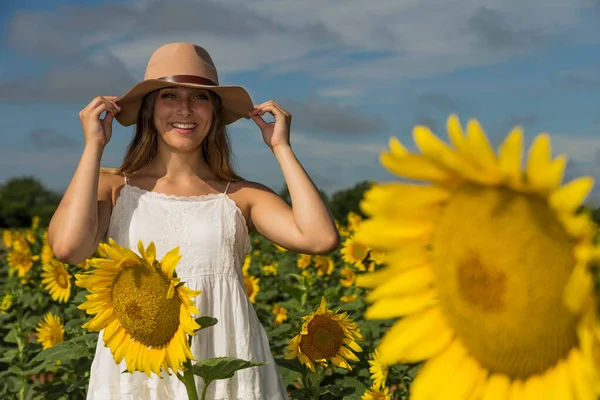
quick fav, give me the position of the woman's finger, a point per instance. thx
(258, 120)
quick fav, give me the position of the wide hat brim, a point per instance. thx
(236, 102)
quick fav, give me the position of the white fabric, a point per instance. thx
(213, 239)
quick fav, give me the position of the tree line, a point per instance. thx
(22, 198)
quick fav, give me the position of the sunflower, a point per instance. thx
(324, 265)
(349, 277)
(325, 337)
(488, 268)
(376, 393)
(252, 287)
(379, 371)
(7, 238)
(271, 269)
(50, 331)
(20, 258)
(6, 303)
(354, 252)
(303, 261)
(280, 314)
(349, 298)
(57, 280)
(35, 222)
(143, 308)
(354, 221)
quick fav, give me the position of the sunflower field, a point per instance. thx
(40, 300)
(478, 282)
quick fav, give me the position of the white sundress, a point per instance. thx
(213, 239)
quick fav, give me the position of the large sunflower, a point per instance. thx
(325, 337)
(143, 308)
(57, 280)
(50, 331)
(488, 266)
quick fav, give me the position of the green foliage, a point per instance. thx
(23, 198)
(346, 201)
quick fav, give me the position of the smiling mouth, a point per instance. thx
(177, 125)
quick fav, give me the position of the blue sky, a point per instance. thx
(352, 74)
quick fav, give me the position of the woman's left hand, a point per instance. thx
(274, 133)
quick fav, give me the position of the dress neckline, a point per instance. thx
(166, 196)
(189, 199)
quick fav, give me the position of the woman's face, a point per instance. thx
(183, 116)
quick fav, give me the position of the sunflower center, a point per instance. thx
(359, 252)
(139, 296)
(501, 261)
(62, 280)
(324, 338)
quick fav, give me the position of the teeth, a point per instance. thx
(184, 126)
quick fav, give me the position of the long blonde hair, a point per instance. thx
(216, 149)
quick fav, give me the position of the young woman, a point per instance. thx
(176, 187)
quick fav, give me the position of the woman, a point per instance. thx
(176, 187)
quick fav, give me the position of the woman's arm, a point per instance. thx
(81, 219)
(306, 227)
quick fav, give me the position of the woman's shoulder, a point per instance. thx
(110, 182)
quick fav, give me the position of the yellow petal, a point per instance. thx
(570, 196)
(415, 338)
(498, 388)
(558, 384)
(511, 152)
(480, 150)
(581, 374)
(464, 380)
(372, 279)
(151, 253)
(578, 288)
(397, 148)
(538, 161)
(382, 233)
(409, 281)
(169, 261)
(455, 133)
(437, 370)
(393, 307)
(400, 199)
(416, 167)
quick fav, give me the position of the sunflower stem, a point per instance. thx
(188, 381)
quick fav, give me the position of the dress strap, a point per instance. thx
(227, 187)
(126, 180)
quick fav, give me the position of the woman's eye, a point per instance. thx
(166, 95)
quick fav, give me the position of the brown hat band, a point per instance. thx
(189, 79)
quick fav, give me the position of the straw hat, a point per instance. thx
(183, 64)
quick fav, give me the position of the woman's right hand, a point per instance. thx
(97, 131)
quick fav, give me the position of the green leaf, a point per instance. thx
(338, 390)
(80, 297)
(74, 325)
(280, 330)
(206, 322)
(289, 364)
(221, 367)
(11, 337)
(303, 394)
(73, 349)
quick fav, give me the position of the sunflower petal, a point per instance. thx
(436, 370)
(393, 307)
(415, 338)
(510, 154)
(498, 387)
(570, 196)
(416, 167)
